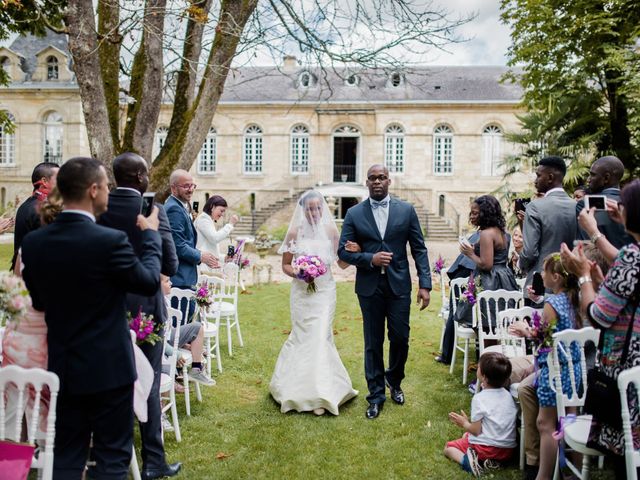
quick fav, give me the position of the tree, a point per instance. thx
(121, 48)
(583, 56)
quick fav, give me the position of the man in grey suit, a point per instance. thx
(548, 221)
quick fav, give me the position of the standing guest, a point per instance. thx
(382, 227)
(579, 193)
(132, 179)
(82, 289)
(208, 237)
(27, 219)
(548, 221)
(517, 244)
(604, 179)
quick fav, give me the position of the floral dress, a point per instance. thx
(565, 315)
(612, 310)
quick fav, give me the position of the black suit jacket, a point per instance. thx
(27, 220)
(78, 273)
(402, 226)
(124, 207)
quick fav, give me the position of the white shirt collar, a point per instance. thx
(557, 189)
(81, 212)
(129, 189)
(385, 199)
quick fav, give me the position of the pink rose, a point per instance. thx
(312, 271)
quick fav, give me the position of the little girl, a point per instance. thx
(561, 313)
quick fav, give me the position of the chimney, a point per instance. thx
(289, 63)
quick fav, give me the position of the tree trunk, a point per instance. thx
(109, 50)
(80, 21)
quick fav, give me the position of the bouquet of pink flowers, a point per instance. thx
(438, 265)
(542, 332)
(144, 327)
(308, 268)
(14, 297)
(203, 295)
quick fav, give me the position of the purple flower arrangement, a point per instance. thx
(203, 295)
(438, 265)
(308, 268)
(542, 332)
(144, 328)
(473, 289)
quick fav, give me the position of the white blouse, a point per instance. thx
(208, 237)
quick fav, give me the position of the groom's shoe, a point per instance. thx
(397, 395)
(373, 410)
(168, 470)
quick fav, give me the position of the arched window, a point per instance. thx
(53, 135)
(252, 150)
(208, 154)
(491, 151)
(7, 144)
(52, 68)
(394, 148)
(299, 148)
(443, 150)
(306, 80)
(352, 80)
(396, 79)
(159, 140)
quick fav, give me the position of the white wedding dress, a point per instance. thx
(309, 373)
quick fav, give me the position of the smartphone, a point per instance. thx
(231, 251)
(599, 202)
(462, 240)
(521, 203)
(196, 206)
(537, 284)
(147, 204)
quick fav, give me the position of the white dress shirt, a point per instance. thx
(381, 215)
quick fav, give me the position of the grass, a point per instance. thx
(6, 254)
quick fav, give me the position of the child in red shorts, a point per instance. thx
(490, 434)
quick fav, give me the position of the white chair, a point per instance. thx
(511, 345)
(444, 309)
(184, 297)
(488, 304)
(631, 455)
(229, 305)
(37, 378)
(210, 319)
(167, 381)
(575, 433)
(521, 282)
(458, 286)
(133, 466)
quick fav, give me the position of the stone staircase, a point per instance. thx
(243, 227)
(438, 229)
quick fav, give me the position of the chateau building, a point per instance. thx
(278, 130)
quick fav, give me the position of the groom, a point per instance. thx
(382, 226)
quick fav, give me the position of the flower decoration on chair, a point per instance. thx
(474, 287)
(542, 332)
(308, 268)
(439, 265)
(145, 328)
(243, 262)
(14, 297)
(203, 295)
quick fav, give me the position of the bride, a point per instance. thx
(309, 375)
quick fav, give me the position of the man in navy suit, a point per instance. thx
(79, 273)
(132, 179)
(383, 226)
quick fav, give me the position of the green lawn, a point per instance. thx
(6, 253)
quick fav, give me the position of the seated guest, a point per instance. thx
(208, 237)
(490, 433)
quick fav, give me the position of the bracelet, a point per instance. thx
(583, 280)
(595, 237)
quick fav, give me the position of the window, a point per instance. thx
(491, 151)
(5, 64)
(252, 150)
(53, 138)
(52, 68)
(306, 80)
(394, 148)
(208, 154)
(396, 79)
(7, 144)
(299, 149)
(443, 150)
(159, 140)
(352, 80)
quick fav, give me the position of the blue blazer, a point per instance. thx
(403, 226)
(185, 238)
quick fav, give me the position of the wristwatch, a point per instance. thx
(583, 280)
(595, 237)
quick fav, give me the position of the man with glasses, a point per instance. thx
(382, 226)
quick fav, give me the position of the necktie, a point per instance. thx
(375, 204)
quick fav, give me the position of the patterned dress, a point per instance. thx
(566, 319)
(612, 311)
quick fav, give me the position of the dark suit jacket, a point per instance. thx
(402, 226)
(124, 207)
(185, 238)
(614, 232)
(27, 220)
(78, 273)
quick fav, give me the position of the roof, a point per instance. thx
(29, 46)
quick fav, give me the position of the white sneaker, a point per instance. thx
(167, 426)
(476, 469)
(199, 376)
(490, 464)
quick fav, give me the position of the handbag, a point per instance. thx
(602, 400)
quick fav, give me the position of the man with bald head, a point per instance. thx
(132, 179)
(604, 179)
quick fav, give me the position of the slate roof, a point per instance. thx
(28, 46)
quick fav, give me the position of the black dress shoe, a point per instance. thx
(373, 410)
(440, 359)
(169, 470)
(397, 395)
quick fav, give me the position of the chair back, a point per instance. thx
(231, 276)
(23, 380)
(488, 304)
(512, 346)
(567, 354)
(175, 318)
(216, 287)
(457, 287)
(184, 297)
(521, 283)
(631, 455)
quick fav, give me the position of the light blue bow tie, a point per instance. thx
(375, 204)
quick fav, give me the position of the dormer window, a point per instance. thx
(396, 79)
(52, 68)
(305, 80)
(352, 80)
(5, 64)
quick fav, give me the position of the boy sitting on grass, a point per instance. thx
(490, 435)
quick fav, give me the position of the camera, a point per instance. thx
(521, 203)
(231, 251)
(599, 202)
